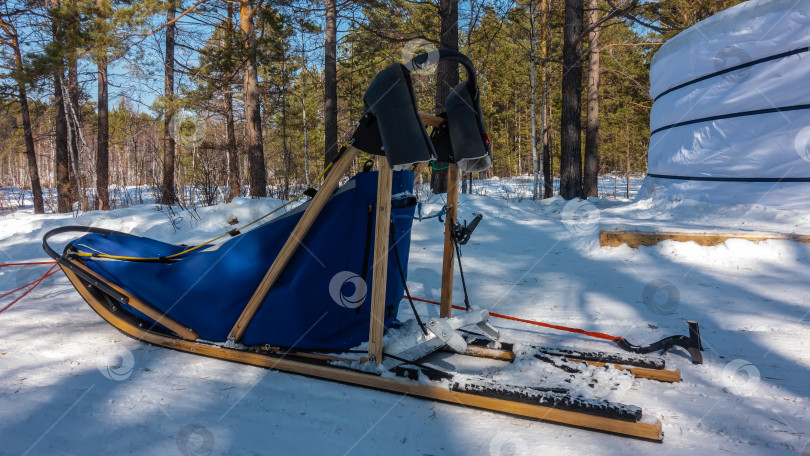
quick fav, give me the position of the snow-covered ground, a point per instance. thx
(72, 384)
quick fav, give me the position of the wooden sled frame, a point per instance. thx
(103, 298)
(293, 363)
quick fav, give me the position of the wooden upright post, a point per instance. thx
(453, 176)
(382, 229)
(298, 233)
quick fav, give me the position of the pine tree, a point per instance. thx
(330, 98)
(168, 195)
(591, 175)
(11, 39)
(256, 169)
(570, 126)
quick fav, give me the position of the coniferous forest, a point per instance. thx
(200, 101)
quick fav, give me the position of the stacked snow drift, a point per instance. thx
(731, 118)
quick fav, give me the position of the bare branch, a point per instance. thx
(635, 19)
(622, 10)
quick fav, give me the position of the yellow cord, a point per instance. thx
(118, 257)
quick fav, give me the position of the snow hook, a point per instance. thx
(462, 233)
(691, 344)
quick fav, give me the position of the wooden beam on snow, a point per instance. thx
(662, 375)
(634, 239)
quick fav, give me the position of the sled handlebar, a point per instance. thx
(434, 57)
(72, 229)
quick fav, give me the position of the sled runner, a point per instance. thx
(302, 291)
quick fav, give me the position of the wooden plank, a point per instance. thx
(484, 352)
(294, 240)
(147, 309)
(453, 176)
(318, 356)
(661, 375)
(382, 229)
(634, 239)
(644, 430)
(431, 120)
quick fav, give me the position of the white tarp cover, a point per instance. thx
(758, 148)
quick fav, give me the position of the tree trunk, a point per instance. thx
(256, 169)
(591, 180)
(446, 74)
(61, 154)
(30, 155)
(233, 154)
(73, 122)
(284, 149)
(72, 108)
(532, 49)
(330, 83)
(304, 118)
(548, 163)
(102, 148)
(167, 187)
(63, 187)
(548, 182)
(30, 152)
(627, 161)
(570, 124)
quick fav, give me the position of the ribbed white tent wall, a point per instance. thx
(731, 118)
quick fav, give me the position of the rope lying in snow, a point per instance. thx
(597, 335)
(53, 270)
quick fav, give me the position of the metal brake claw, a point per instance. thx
(691, 344)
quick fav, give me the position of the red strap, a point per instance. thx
(597, 335)
(35, 284)
(26, 264)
